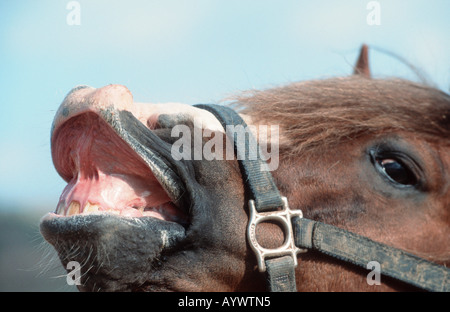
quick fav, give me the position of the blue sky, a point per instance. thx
(194, 51)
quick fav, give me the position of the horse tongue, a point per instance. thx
(116, 193)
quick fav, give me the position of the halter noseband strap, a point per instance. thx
(302, 234)
(360, 250)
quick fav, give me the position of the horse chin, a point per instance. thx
(115, 253)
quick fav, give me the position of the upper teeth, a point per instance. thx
(74, 208)
(91, 208)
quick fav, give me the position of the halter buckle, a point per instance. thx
(283, 218)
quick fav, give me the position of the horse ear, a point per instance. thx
(362, 65)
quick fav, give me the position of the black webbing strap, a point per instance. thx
(281, 274)
(254, 170)
(258, 179)
(360, 250)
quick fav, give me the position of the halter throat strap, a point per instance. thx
(303, 234)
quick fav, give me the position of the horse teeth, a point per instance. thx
(141, 209)
(73, 209)
(89, 208)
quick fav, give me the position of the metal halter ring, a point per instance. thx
(283, 218)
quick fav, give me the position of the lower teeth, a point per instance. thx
(74, 208)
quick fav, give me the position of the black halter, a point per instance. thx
(302, 234)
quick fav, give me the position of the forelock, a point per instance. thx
(326, 112)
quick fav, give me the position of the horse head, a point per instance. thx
(156, 201)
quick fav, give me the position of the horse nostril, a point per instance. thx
(168, 120)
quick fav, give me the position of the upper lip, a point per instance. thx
(154, 151)
(114, 104)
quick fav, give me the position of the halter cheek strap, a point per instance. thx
(265, 203)
(302, 234)
(254, 170)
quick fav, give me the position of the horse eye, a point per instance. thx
(396, 171)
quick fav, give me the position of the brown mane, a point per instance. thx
(326, 112)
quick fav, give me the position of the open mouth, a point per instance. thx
(128, 205)
(116, 167)
(106, 175)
